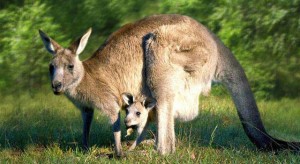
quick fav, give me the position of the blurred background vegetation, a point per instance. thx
(263, 35)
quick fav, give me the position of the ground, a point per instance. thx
(43, 128)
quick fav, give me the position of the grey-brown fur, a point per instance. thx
(117, 67)
(139, 112)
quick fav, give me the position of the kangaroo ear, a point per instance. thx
(149, 103)
(127, 98)
(79, 45)
(50, 44)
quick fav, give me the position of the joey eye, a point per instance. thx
(70, 67)
(138, 113)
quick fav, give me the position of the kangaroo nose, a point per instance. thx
(57, 85)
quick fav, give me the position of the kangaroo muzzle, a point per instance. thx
(130, 124)
(57, 81)
(57, 87)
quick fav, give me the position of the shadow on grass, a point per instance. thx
(219, 130)
(47, 121)
(44, 122)
(45, 127)
(210, 129)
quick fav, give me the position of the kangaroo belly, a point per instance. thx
(186, 107)
(186, 98)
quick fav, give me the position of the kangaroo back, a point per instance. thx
(181, 61)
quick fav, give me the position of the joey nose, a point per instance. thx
(127, 122)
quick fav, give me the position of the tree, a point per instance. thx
(23, 61)
(262, 34)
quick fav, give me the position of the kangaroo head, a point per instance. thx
(66, 70)
(137, 109)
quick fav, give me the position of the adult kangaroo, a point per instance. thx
(180, 49)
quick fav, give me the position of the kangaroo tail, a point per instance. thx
(230, 73)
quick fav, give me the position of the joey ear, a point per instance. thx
(127, 98)
(50, 44)
(149, 103)
(79, 45)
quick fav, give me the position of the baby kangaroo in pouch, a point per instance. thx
(139, 112)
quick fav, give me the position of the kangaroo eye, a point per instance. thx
(70, 67)
(51, 68)
(138, 113)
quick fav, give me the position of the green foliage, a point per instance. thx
(263, 35)
(22, 56)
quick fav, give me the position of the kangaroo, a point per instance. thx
(158, 54)
(139, 112)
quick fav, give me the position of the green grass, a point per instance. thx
(44, 128)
